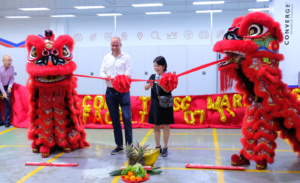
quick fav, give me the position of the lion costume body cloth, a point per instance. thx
(54, 109)
(252, 59)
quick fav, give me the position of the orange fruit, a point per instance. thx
(139, 178)
(130, 173)
(126, 177)
(132, 178)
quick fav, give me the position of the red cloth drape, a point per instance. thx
(20, 108)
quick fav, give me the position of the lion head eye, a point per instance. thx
(32, 54)
(66, 52)
(256, 30)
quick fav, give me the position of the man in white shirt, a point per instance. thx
(118, 63)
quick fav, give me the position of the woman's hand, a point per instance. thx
(151, 84)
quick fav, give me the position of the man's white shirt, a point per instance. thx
(113, 66)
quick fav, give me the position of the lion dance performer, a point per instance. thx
(252, 45)
(54, 110)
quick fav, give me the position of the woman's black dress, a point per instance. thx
(157, 114)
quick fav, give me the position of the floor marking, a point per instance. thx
(220, 173)
(199, 134)
(38, 169)
(116, 179)
(222, 149)
(288, 142)
(7, 130)
(250, 170)
(13, 146)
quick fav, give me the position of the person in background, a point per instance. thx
(7, 77)
(158, 115)
(117, 63)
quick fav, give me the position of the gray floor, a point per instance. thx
(197, 146)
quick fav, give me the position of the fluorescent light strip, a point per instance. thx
(262, 0)
(109, 14)
(88, 7)
(17, 16)
(147, 5)
(259, 9)
(158, 13)
(33, 9)
(208, 2)
(209, 11)
(58, 16)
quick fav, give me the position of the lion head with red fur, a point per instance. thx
(253, 35)
(50, 60)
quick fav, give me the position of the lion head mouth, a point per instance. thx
(233, 57)
(50, 79)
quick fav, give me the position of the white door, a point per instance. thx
(179, 66)
(96, 56)
(203, 81)
(19, 58)
(138, 71)
(83, 68)
(151, 52)
(167, 53)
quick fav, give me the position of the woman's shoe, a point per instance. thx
(159, 149)
(165, 152)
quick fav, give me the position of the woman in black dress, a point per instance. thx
(158, 115)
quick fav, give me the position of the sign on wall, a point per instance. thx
(285, 12)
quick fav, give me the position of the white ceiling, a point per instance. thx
(57, 7)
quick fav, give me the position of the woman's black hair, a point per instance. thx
(160, 60)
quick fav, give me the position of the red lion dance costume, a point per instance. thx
(251, 45)
(54, 109)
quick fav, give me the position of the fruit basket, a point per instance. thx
(136, 172)
(136, 181)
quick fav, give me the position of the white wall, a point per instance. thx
(163, 24)
(16, 30)
(181, 53)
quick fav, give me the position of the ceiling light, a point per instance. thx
(33, 9)
(88, 7)
(58, 16)
(17, 16)
(208, 2)
(209, 11)
(147, 5)
(109, 14)
(262, 0)
(158, 13)
(259, 9)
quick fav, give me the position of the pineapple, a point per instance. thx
(130, 154)
(140, 150)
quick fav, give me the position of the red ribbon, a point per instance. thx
(181, 74)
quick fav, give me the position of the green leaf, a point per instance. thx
(154, 172)
(156, 168)
(116, 173)
(132, 169)
(125, 171)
